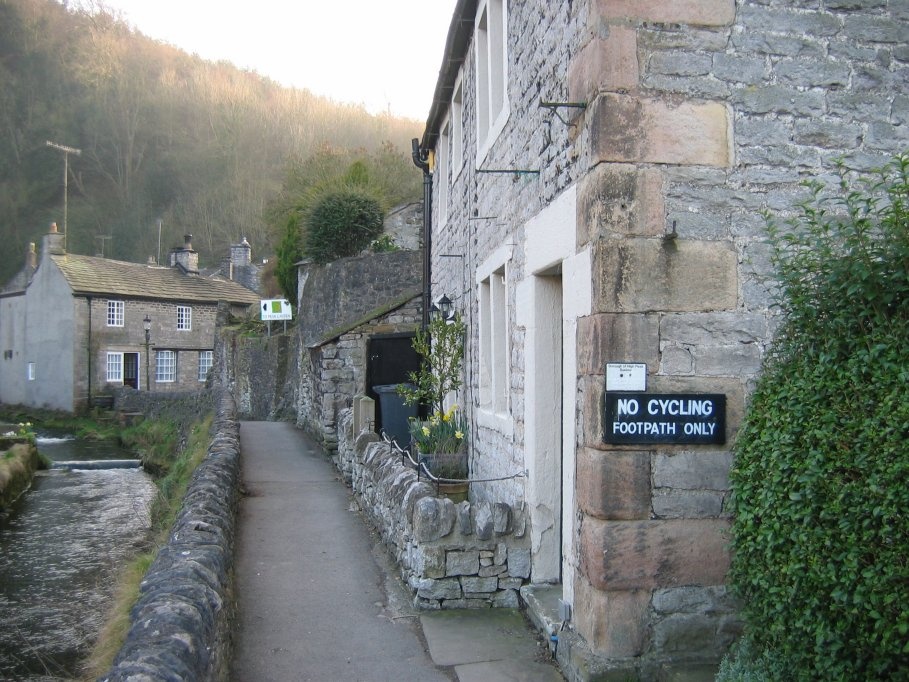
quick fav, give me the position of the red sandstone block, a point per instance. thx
(628, 129)
(630, 555)
(693, 12)
(614, 484)
(615, 624)
(605, 64)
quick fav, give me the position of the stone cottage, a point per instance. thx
(599, 169)
(73, 327)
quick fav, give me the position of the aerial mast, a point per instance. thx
(66, 152)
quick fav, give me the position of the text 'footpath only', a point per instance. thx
(664, 418)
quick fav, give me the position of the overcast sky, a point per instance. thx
(384, 55)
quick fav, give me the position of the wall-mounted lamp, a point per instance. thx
(147, 324)
(443, 307)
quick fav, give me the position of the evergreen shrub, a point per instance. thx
(342, 223)
(821, 475)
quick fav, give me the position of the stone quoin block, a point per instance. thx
(614, 623)
(620, 200)
(692, 12)
(626, 129)
(630, 555)
(610, 337)
(646, 275)
(606, 64)
(614, 485)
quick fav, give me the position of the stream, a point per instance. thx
(62, 547)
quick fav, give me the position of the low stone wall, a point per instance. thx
(451, 555)
(180, 623)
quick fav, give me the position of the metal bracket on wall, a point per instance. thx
(555, 106)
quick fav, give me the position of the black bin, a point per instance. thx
(395, 414)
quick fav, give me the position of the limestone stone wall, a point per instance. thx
(451, 555)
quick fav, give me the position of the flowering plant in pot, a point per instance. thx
(441, 439)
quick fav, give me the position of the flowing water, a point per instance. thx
(61, 549)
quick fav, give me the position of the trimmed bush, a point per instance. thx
(821, 476)
(342, 223)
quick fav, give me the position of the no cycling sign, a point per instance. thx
(676, 419)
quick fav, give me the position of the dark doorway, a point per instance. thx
(131, 370)
(391, 359)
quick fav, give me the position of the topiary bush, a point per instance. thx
(342, 223)
(821, 477)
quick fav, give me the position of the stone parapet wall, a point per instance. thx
(180, 624)
(451, 555)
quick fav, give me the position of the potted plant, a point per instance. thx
(440, 440)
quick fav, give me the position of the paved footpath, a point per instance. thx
(319, 599)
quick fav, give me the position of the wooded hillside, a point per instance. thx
(203, 147)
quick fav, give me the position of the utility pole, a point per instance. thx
(66, 152)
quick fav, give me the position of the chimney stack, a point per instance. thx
(186, 258)
(53, 242)
(31, 258)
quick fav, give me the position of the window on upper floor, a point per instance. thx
(441, 172)
(165, 366)
(115, 313)
(456, 162)
(115, 367)
(31, 371)
(205, 362)
(184, 317)
(494, 345)
(491, 47)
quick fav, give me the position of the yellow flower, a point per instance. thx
(459, 435)
(425, 430)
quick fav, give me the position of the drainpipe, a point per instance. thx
(421, 161)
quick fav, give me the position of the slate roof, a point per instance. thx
(103, 276)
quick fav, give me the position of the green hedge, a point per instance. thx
(342, 223)
(821, 476)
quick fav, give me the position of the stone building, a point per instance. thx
(599, 169)
(73, 327)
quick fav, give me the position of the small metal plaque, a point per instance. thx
(626, 376)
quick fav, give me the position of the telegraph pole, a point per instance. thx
(66, 152)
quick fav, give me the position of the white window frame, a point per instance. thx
(495, 342)
(165, 366)
(491, 51)
(206, 360)
(184, 318)
(456, 117)
(32, 374)
(116, 313)
(442, 173)
(114, 367)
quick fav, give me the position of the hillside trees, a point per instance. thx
(204, 147)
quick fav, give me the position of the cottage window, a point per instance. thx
(456, 160)
(493, 296)
(115, 367)
(115, 313)
(490, 39)
(441, 171)
(31, 371)
(184, 317)
(205, 363)
(165, 366)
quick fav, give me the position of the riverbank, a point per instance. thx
(18, 465)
